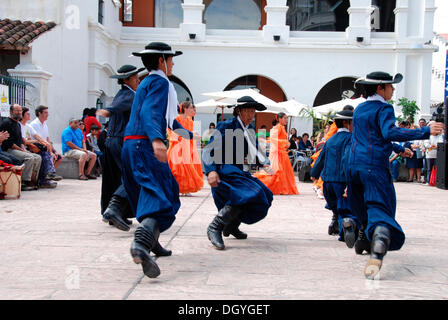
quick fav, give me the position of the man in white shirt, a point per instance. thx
(40, 126)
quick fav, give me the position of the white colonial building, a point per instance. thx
(309, 50)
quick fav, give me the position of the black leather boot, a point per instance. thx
(333, 228)
(113, 214)
(223, 218)
(233, 229)
(378, 249)
(362, 243)
(146, 238)
(160, 251)
(350, 232)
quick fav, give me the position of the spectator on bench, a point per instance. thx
(40, 126)
(9, 159)
(14, 146)
(36, 144)
(74, 147)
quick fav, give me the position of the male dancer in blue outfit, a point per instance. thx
(152, 190)
(238, 195)
(372, 193)
(113, 196)
(331, 165)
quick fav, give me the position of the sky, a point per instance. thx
(441, 17)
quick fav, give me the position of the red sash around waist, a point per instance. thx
(135, 138)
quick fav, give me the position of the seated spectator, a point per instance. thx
(74, 147)
(34, 143)
(7, 158)
(91, 120)
(93, 141)
(292, 132)
(305, 144)
(40, 126)
(14, 146)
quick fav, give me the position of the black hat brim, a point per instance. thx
(257, 106)
(366, 81)
(126, 75)
(159, 52)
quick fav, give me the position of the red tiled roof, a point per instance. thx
(17, 35)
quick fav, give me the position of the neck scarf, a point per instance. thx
(171, 108)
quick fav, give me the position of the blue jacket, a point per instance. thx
(332, 161)
(148, 116)
(214, 147)
(373, 130)
(120, 110)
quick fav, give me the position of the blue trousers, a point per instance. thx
(395, 166)
(372, 199)
(338, 204)
(151, 187)
(239, 188)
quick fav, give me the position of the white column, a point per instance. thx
(276, 22)
(37, 77)
(428, 21)
(401, 20)
(192, 24)
(358, 31)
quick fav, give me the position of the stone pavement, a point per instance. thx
(55, 246)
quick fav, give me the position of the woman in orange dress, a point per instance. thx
(183, 157)
(282, 181)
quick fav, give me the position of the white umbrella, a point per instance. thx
(231, 96)
(293, 107)
(338, 105)
(212, 107)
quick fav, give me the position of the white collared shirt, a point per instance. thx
(376, 97)
(343, 130)
(40, 128)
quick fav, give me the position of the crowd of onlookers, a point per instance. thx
(422, 166)
(26, 148)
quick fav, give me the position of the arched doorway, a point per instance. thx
(336, 90)
(266, 87)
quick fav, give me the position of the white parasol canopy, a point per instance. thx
(338, 105)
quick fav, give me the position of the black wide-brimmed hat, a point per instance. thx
(379, 77)
(126, 71)
(157, 48)
(248, 102)
(344, 115)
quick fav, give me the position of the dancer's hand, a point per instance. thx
(407, 153)
(213, 179)
(436, 128)
(160, 150)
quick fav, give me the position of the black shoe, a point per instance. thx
(26, 187)
(223, 218)
(362, 243)
(113, 214)
(379, 246)
(146, 238)
(333, 228)
(232, 229)
(47, 184)
(160, 251)
(350, 232)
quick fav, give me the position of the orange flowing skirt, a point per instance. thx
(282, 182)
(185, 164)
